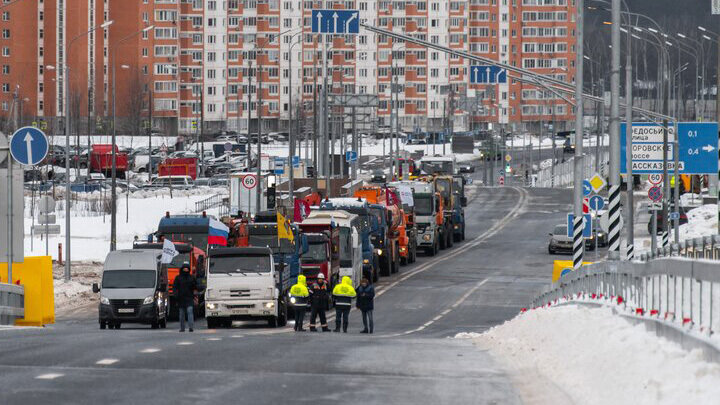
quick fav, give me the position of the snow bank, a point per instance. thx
(702, 221)
(596, 357)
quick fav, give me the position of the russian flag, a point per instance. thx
(217, 233)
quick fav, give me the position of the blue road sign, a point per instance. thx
(279, 165)
(335, 22)
(350, 156)
(487, 74)
(29, 146)
(587, 188)
(674, 215)
(296, 161)
(587, 229)
(596, 203)
(697, 151)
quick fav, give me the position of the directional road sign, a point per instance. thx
(29, 146)
(697, 151)
(674, 215)
(296, 161)
(587, 188)
(587, 229)
(655, 193)
(596, 203)
(486, 74)
(279, 165)
(350, 156)
(335, 22)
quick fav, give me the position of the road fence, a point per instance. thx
(564, 171)
(12, 303)
(705, 247)
(676, 291)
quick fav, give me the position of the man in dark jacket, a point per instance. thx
(184, 288)
(319, 300)
(365, 303)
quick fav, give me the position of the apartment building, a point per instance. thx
(187, 64)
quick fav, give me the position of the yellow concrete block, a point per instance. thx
(35, 274)
(562, 267)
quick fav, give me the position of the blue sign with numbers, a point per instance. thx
(29, 146)
(587, 229)
(279, 165)
(350, 156)
(487, 74)
(335, 22)
(698, 148)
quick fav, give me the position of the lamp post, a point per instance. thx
(291, 135)
(705, 32)
(66, 68)
(113, 187)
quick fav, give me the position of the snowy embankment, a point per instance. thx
(584, 355)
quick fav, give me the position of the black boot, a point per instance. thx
(364, 331)
(325, 329)
(313, 329)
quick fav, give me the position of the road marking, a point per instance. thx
(106, 362)
(517, 210)
(185, 343)
(443, 313)
(150, 350)
(237, 336)
(212, 339)
(49, 376)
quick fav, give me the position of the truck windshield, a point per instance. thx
(197, 239)
(317, 253)
(240, 264)
(346, 253)
(423, 205)
(270, 241)
(129, 279)
(379, 214)
(437, 167)
(178, 260)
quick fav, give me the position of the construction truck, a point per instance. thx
(432, 228)
(453, 210)
(390, 217)
(368, 228)
(323, 254)
(404, 190)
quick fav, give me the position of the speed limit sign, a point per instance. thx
(249, 181)
(656, 178)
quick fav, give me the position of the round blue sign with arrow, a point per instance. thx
(587, 188)
(29, 146)
(596, 203)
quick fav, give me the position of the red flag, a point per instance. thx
(301, 211)
(392, 198)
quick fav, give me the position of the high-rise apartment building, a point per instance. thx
(203, 61)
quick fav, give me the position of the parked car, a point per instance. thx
(560, 242)
(378, 176)
(659, 216)
(466, 168)
(179, 182)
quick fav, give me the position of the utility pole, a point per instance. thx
(324, 119)
(149, 132)
(258, 191)
(630, 206)
(578, 240)
(354, 145)
(291, 138)
(614, 192)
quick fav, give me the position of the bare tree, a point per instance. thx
(134, 105)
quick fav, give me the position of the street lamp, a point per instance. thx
(113, 193)
(66, 68)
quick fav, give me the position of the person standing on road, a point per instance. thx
(299, 298)
(343, 294)
(184, 288)
(365, 303)
(319, 300)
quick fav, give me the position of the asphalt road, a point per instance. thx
(410, 359)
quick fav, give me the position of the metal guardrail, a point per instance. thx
(12, 303)
(675, 291)
(213, 201)
(706, 247)
(564, 171)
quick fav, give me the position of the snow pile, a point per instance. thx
(702, 221)
(72, 293)
(690, 199)
(596, 357)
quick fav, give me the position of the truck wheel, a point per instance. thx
(443, 241)
(103, 325)
(282, 320)
(385, 265)
(404, 261)
(463, 232)
(117, 325)
(451, 239)
(273, 322)
(211, 323)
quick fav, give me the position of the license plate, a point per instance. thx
(240, 311)
(126, 310)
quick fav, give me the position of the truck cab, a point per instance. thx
(429, 216)
(243, 283)
(263, 232)
(134, 289)
(350, 245)
(323, 254)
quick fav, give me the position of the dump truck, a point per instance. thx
(101, 160)
(396, 236)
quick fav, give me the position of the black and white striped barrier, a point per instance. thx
(630, 252)
(614, 219)
(665, 239)
(578, 241)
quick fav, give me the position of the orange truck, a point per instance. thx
(399, 249)
(187, 253)
(238, 235)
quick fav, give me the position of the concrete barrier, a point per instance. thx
(12, 303)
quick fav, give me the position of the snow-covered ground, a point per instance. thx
(91, 230)
(526, 140)
(702, 221)
(582, 355)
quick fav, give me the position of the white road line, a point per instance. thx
(237, 336)
(185, 343)
(213, 339)
(106, 362)
(150, 350)
(49, 376)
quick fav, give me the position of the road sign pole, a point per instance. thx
(666, 178)
(614, 192)
(578, 242)
(676, 176)
(630, 201)
(653, 234)
(10, 219)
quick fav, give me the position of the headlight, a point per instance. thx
(210, 305)
(457, 226)
(148, 300)
(292, 300)
(402, 249)
(379, 252)
(366, 261)
(426, 237)
(104, 300)
(269, 304)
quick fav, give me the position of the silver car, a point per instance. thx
(560, 242)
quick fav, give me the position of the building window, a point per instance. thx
(6, 33)
(6, 16)
(41, 87)
(6, 87)
(6, 69)
(6, 51)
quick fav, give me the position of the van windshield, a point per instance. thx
(129, 279)
(240, 264)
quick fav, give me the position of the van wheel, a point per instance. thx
(103, 325)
